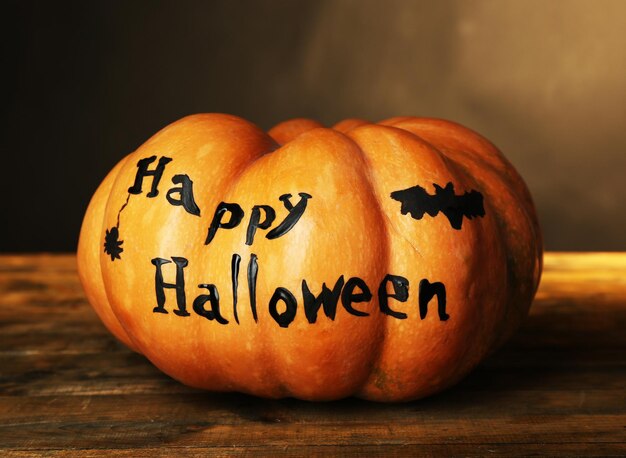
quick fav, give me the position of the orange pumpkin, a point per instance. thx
(383, 261)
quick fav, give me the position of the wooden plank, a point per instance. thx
(234, 408)
(314, 450)
(551, 429)
(108, 373)
(39, 262)
(237, 420)
(67, 388)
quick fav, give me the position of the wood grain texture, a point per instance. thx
(67, 388)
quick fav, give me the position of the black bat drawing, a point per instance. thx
(417, 201)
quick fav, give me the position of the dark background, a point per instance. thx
(87, 82)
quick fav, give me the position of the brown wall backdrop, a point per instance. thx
(87, 82)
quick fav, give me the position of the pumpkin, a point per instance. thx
(382, 261)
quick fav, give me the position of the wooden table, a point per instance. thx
(68, 388)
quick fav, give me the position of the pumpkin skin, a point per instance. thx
(351, 227)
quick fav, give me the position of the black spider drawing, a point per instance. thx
(112, 244)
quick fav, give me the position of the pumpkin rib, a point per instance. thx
(103, 256)
(472, 358)
(373, 180)
(498, 226)
(276, 388)
(233, 381)
(425, 128)
(90, 250)
(188, 129)
(526, 207)
(287, 133)
(472, 156)
(346, 125)
(476, 153)
(330, 147)
(349, 125)
(516, 298)
(289, 130)
(468, 142)
(473, 145)
(376, 186)
(394, 135)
